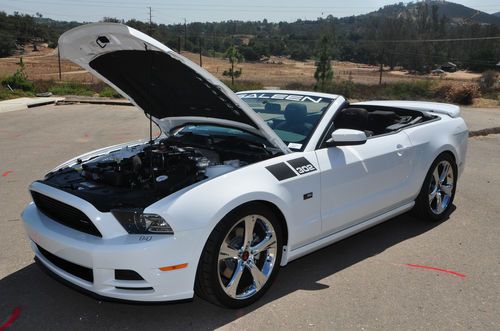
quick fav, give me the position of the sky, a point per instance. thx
(175, 11)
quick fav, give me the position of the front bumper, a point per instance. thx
(144, 255)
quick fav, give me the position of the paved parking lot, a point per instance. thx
(369, 281)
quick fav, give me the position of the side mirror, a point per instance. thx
(346, 137)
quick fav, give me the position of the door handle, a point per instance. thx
(400, 149)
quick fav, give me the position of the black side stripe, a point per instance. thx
(281, 171)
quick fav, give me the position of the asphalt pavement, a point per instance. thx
(405, 274)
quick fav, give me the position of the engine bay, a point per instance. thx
(139, 175)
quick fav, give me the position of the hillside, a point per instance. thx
(454, 12)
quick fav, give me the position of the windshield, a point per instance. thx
(293, 117)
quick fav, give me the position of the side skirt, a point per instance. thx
(337, 236)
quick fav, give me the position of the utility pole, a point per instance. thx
(381, 67)
(150, 22)
(381, 70)
(185, 33)
(213, 44)
(59, 60)
(199, 46)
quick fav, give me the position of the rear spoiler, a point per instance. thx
(432, 107)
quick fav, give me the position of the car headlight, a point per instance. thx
(137, 222)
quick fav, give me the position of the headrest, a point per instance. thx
(274, 108)
(358, 112)
(352, 118)
(295, 112)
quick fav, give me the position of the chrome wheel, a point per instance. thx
(247, 257)
(441, 187)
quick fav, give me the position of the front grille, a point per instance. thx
(74, 269)
(64, 214)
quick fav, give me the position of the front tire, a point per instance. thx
(438, 191)
(241, 257)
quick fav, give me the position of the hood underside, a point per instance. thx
(165, 85)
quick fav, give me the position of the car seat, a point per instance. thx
(353, 118)
(295, 120)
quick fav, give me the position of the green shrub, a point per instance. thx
(298, 86)
(19, 80)
(42, 86)
(5, 93)
(344, 87)
(108, 92)
(488, 80)
(409, 90)
(463, 94)
(71, 88)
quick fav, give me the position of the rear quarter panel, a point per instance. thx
(433, 138)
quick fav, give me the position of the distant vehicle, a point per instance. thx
(236, 185)
(449, 67)
(438, 72)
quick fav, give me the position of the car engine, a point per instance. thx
(161, 167)
(137, 176)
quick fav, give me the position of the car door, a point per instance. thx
(362, 181)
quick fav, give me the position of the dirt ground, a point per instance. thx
(277, 71)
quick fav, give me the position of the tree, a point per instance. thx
(7, 44)
(299, 53)
(324, 71)
(234, 57)
(249, 53)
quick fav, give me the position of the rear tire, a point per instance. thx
(438, 191)
(241, 257)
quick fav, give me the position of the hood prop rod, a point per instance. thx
(151, 169)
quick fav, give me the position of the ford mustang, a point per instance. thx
(236, 185)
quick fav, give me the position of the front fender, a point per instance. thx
(204, 204)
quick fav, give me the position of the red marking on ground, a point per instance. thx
(436, 269)
(5, 174)
(86, 135)
(15, 314)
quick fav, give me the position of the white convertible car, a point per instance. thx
(236, 185)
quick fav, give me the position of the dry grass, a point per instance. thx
(279, 72)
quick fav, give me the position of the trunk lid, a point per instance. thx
(165, 85)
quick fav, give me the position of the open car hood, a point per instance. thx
(165, 85)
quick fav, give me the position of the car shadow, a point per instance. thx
(47, 304)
